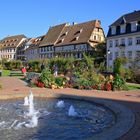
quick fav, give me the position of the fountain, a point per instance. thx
(60, 104)
(52, 119)
(31, 105)
(26, 101)
(33, 122)
(72, 111)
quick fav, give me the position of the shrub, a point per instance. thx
(12, 65)
(119, 83)
(34, 65)
(0, 86)
(47, 77)
(60, 81)
(64, 64)
(118, 66)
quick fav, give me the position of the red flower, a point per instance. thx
(40, 84)
(95, 87)
(108, 86)
(102, 87)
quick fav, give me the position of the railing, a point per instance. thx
(122, 45)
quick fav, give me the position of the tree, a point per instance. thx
(100, 54)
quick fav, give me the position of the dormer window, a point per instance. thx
(113, 30)
(60, 41)
(133, 26)
(64, 34)
(75, 39)
(36, 40)
(123, 28)
(78, 32)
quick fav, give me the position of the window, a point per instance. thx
(123, 28)
(116, 55)
(137, 54)
(41, 49)
(95, 37)
(129, 41)
(129, 54)
(110, 44)
(116, 43)
(122, 54)
(137, 40)
(133, 26)
(113, 30)
(64, 34)
(60, 41)
(78, 32)
(122, 42)
(75, 39)
(110, 56)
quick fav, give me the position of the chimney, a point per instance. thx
(74, 23)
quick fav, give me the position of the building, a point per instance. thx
(123, 39)
(67, 40)
(32, 48)
(9, 46)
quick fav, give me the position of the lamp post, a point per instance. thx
(108, 54)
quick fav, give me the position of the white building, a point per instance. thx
(32, 48)
(9, 46)
(123, 39)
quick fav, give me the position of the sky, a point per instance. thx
(34, 17)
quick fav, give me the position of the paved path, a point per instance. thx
(15, 88)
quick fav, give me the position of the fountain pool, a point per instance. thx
(53, 119)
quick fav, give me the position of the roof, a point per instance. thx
(127, 18)
(77, 34)
(34, 42)
(52, 35)
(66, 34)
(11, 41)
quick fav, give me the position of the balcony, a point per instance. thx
(122, 45)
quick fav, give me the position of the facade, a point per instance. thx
(10, 45)
(67, 40)
(32, 48)
(123, 39)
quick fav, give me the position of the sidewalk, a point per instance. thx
(12, 87)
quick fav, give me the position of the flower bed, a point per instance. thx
(86, 80)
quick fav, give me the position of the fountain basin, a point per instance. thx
(96, 119)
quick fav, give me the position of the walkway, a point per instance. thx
(15, 88)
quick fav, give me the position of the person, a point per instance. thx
(24, 71)
(42, 66)
(55, 70)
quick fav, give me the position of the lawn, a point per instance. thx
(133, 86)
(5, 72)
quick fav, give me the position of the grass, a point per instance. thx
(5, 72)
(133, 87)
(16, 73)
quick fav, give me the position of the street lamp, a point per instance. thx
(108, 54)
